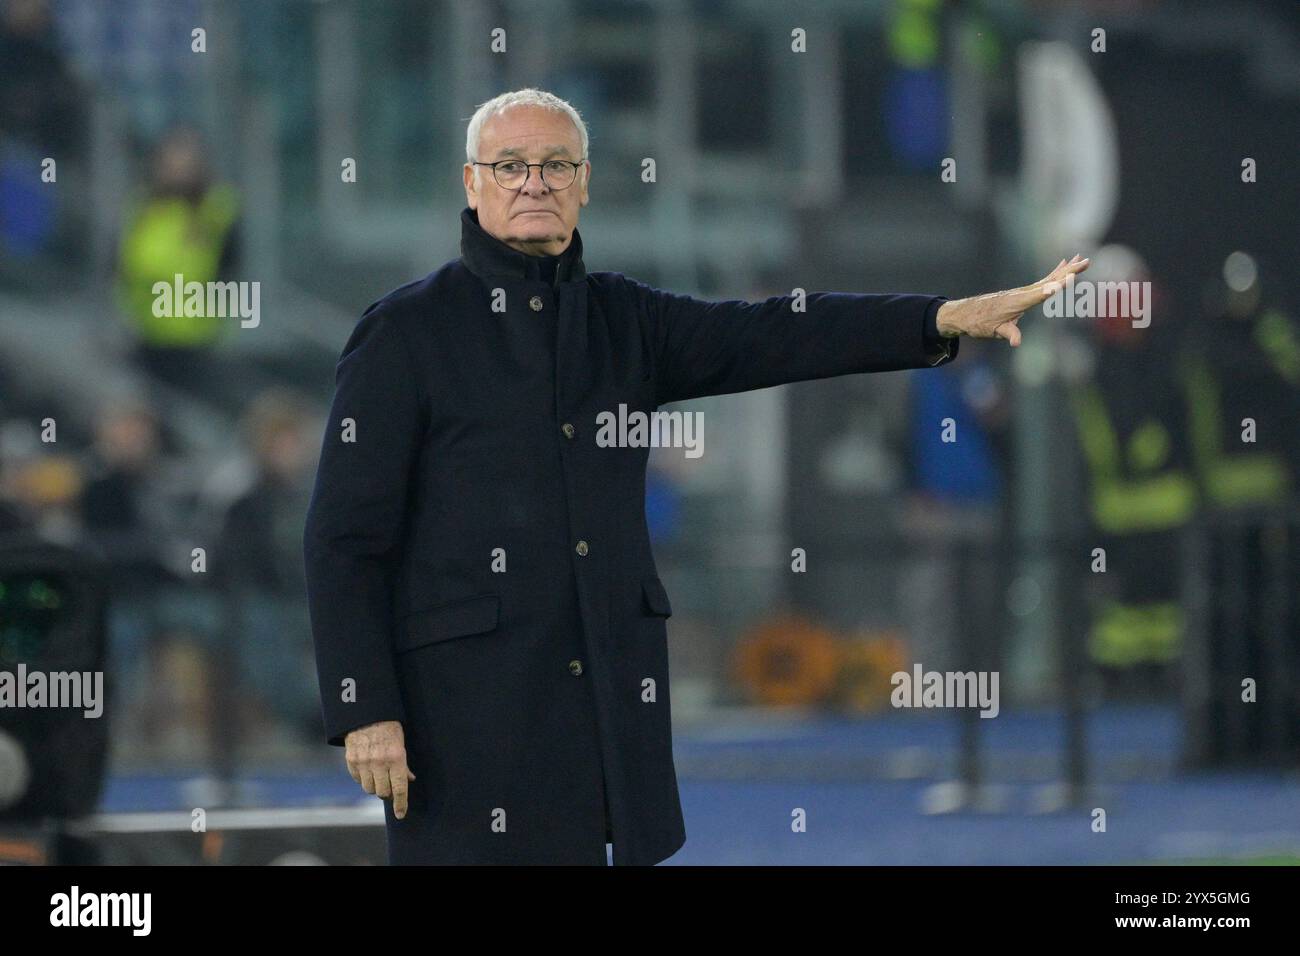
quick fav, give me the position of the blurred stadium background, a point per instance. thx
(125, 444)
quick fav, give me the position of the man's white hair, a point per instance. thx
(526, 97)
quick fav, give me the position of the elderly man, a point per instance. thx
(489, 622)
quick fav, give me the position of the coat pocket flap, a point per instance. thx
(656, 598)
(472, 615)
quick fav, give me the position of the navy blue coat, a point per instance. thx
(534, 699)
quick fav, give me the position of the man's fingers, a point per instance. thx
(1075, 265)
(1010, 331)
(1054, 281)
(1055, 275)
(376, 759)
(383, 783)
(400, 789)
(1065, 268)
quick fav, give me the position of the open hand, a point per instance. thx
(995, 314)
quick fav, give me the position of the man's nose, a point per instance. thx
(538, 185)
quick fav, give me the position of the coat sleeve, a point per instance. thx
(715, 348)
(355, 522)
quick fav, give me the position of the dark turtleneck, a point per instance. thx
(548, 266)
(486, 255)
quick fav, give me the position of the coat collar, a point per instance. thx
(486, 255)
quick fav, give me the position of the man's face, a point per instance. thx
(534, 218)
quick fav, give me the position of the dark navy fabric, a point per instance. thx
(483, 573)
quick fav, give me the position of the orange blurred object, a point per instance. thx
(788, 661)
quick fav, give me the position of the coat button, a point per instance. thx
(581, 548)
(567, 429)
(535, 303)
(575, 668)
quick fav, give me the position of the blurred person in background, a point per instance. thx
(40, 117)
(1133, 433)
(956, 514)
(1241, 374)
(271, 686)
(159, 622)
(126, 448)
(187, 225)
(118, 511)
(1241, 371)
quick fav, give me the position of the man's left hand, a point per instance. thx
(995, 315)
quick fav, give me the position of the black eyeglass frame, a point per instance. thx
(542, 166)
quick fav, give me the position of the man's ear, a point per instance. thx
(471, 189)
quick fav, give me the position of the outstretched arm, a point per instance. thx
(716, 348)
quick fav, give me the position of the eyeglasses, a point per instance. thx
(513, 173)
